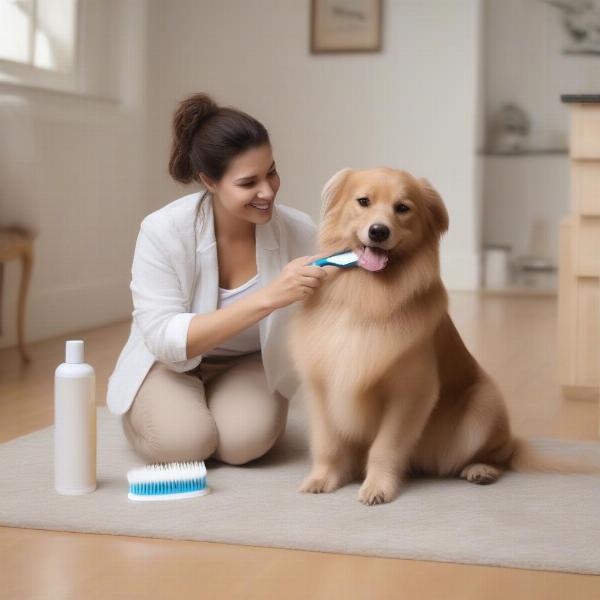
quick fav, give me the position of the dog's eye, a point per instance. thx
(364, 201)
(401, 208)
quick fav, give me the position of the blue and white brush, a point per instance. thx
(167, 481)
(343, 259)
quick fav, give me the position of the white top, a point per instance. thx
(246, 341)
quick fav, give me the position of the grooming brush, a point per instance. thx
(343, 259)
(167, 481)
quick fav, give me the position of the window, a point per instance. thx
(38, 42)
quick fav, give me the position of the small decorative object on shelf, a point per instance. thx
(509, 129)
(581, 21)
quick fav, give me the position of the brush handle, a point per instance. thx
(322, 262)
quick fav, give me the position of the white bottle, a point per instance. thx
(74, 423)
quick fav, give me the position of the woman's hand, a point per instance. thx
(297, 281)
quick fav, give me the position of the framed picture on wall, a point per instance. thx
(345, 26)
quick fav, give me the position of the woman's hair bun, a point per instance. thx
(188, 117)
(206, 138)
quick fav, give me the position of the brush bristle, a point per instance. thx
(164, 480)
(344, 259)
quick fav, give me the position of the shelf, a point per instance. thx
(581, 98)
(539, 152)
(520, 291)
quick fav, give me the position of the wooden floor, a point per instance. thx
(514, 339)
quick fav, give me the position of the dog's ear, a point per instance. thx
(435, 206)
(331, 188)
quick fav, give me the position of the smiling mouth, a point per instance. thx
(262, 206)
(372, 258)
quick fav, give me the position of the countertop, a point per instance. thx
(576, 98)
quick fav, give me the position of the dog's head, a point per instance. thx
(382, 214)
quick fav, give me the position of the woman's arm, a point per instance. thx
(174, 335)
(159, 304)
(296, 282)
(171, 333)
(207, 331)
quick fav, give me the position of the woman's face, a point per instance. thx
(248, 187)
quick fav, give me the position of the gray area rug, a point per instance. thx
(533, 521)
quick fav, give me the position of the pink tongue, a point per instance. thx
(372, 259)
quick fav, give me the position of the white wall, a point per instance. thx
(413, 106)
(73, 168)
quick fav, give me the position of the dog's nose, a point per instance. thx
(379, 232)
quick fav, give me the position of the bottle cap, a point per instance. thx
(74, 352)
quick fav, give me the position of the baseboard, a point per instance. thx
(67, 309)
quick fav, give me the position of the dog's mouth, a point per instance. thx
(372, 258)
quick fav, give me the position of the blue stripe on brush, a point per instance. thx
(167, 487)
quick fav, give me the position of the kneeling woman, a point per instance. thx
(205, 371)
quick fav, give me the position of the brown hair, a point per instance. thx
(206, 137)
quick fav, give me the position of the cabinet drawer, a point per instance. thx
(587, 246)
(578, 319)
(585, 187)
(588, 332)
(585, 131)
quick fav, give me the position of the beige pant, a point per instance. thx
(222, 409)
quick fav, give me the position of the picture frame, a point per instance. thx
(346, 26)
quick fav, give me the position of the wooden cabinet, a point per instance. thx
(585, 187)
(585, 130)
(579, 264)
(586, 237)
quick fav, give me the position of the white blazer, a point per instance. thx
(176, 251)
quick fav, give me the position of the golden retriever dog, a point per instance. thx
(393, 391)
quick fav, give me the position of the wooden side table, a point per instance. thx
(17, 243)
(579, 271)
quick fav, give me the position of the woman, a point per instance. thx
(205, 371)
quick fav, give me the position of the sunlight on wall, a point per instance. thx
(39, 33)
(14, 30)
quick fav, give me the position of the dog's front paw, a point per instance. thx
(320, 485)
(377, 491)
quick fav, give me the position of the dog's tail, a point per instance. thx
(525, 458)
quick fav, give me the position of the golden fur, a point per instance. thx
(392, 388)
